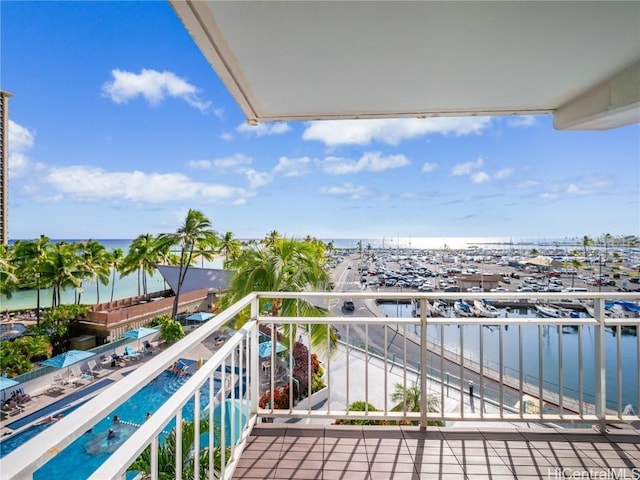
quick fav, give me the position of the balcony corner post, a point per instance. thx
(255, 379)
(600, 370)
(423, 364)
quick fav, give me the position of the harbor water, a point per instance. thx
(450, 335)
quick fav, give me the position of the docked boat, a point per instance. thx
(548, 311)
(484, 309)
(437, 309)
(462, 308)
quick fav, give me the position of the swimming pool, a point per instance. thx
(86, 453)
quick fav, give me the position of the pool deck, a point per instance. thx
(47, 402)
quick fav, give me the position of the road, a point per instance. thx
(347, 279)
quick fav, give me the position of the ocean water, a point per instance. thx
(123, 287)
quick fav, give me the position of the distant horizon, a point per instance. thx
(415, 243)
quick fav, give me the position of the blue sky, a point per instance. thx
(119, 126)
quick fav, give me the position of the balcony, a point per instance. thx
(508, 411)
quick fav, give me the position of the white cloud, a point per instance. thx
(504, 173)
(528, 183)
(200, 164)
(233, 162)
(390, 131)
(369, 162)
(549, 196)
(521, 121)
(227, 136)
(293, 167)
(257, 179)
(479, 177)
(346, 189)
(466, 168)
(575, 190)
(21, 139)
(18, 164)
(429, 167)
(95, 184)
(263, 129)
(154, 86)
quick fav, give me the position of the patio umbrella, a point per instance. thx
(200, 316)
(6, 383)
(138, 333)
(542, 261)
(67, 359)
(264, 349)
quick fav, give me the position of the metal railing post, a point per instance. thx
(423, 364)
(600, 370)
(254, 373)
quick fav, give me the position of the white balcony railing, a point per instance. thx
(372, 350)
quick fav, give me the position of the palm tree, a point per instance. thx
(230, 247)
(96, 261)
(8, 277)
(167, 454)
(206, 249)
(586, 242)
(575, 264)
(30, 257)
(608, 239)
(62, 269)
(195, 230)
(115, 260)
(286, 266)
(271, 238)
(142, 257)
(409, 400)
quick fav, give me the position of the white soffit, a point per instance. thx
(328, 60)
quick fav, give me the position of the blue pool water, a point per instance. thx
(88, 452)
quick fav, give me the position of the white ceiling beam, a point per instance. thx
(610, 104)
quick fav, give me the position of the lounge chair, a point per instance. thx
(10, 409)
(59, 382)
(117, 360)
(24, 399)
(104, 361)
(147, 348)
(79, 378)
(131, 354)
(94, 369)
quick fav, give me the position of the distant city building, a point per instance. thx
(4, 166)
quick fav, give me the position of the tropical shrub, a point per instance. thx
(360, 406)
(18, 356)
(171, 331)
(167, 455)
(280, 397)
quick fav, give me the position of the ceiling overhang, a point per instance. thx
(282, 60)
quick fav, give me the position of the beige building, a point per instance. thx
(4, 166)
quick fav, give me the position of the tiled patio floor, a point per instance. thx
(376, 453)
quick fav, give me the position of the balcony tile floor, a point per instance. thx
(277, 451)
